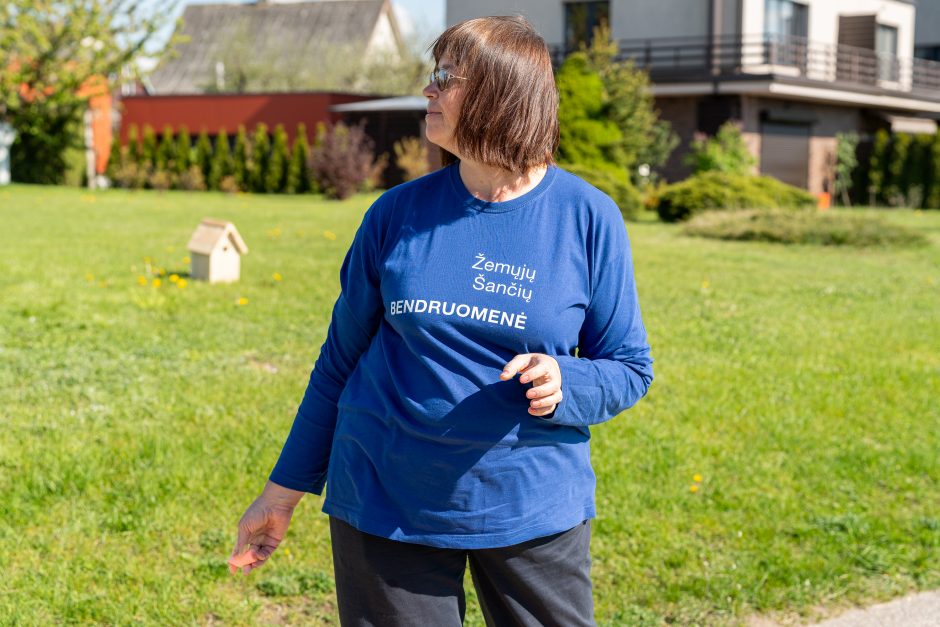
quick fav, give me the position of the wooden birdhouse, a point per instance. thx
(215, 251)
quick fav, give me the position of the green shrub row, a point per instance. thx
(902, 171)
(801, 227)
(722, 190)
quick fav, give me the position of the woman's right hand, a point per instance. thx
(262, 527)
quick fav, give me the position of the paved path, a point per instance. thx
(915, 610)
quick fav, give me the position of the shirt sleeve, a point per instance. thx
(613, 369)
(355, 320)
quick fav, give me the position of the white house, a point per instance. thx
(793, 72)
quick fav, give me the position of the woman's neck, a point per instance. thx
(495, 184)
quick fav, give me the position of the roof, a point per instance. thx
(210, 233)
(401, 103)
(295, 35)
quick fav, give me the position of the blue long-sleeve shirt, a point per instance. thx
(405, 418)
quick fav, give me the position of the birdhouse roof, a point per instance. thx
(210, 234)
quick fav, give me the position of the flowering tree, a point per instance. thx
(54, 56)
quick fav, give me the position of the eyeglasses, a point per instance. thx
(442, 78)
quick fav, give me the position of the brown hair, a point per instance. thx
(509, 118)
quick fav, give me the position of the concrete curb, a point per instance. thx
(915, 610)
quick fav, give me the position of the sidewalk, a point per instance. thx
(915, 610)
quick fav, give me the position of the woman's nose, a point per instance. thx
(430, 90)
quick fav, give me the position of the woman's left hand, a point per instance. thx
(543, 371)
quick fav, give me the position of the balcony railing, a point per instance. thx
(685, 59)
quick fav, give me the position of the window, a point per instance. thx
(581, 18)
(786, 27)
(886, 47)
(784, 19)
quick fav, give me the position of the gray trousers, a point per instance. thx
(386, 583)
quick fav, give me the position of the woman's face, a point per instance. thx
(444, 108)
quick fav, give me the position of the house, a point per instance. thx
(245, 64)
(927, 30)
(793, 72)
(216, 249)
(274, 45)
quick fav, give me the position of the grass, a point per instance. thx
(796, 394)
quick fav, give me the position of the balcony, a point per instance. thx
(794, 59)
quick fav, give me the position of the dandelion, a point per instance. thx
(170, 249)
(242, 301)
(142, 280)
(156, 282)
(330, 235)
(181, 283)
(697, 478)
(186, 260)
(693, 489)
(276, 276)
(90, 277)
(174, 278)
(275, 232)
(103, 283)
(705, 285)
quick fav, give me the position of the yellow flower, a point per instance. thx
(186, 259)
(90, 277)
(697, 478)
(242, 301)
(693, 489)
(276, 276)
(705, 284)
(174, 278)
(181, 283)
(103, 283)
(275, 232)
(156, 283)
(169, 249)
(330, 235)
(142, 280)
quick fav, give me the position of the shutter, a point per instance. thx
(784, 152)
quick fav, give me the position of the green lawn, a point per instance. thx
(137, 422)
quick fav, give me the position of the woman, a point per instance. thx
(434, 453)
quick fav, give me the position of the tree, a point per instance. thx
(933, 190)
(240, 159)
(54, 56)
(894, 191)
(645, 139)
(298, 174)
(876, 167)
(276, 174)
(221, 161)
(203, 158)
(588, 137)
(134, 154)
(116, 158)
(846, 162)
(148, 147)
(166, 150)
(183, 157)
(260, 147)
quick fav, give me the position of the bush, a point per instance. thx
(203, 159)
(240, 159)
(221, 163)
(619, 188)
(342, 159)
(228, 185)
(876, 166)
(192, 179)
(160, 180)
(184, 150)
(298, 176)
(804, 227)
(411, 157)
(129, 175)
(258, 164)
(275, 178)
(719, 190)
(725, 152)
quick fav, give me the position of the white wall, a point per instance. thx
(630, 19)
(824, 19)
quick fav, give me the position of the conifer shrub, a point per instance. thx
(342, 159)
(298, 175)
(183, 156)
(614, 184)
(221, 165)
(258, 164)
(275, 178)
(116, 158)
(894, 190)
(719, 190)
(203, 157)
(148, 148)
(932, 199)
(241, 155)
(166, 149)
(877, 165)
(134, 152)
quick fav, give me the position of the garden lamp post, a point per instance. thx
(7, 135)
